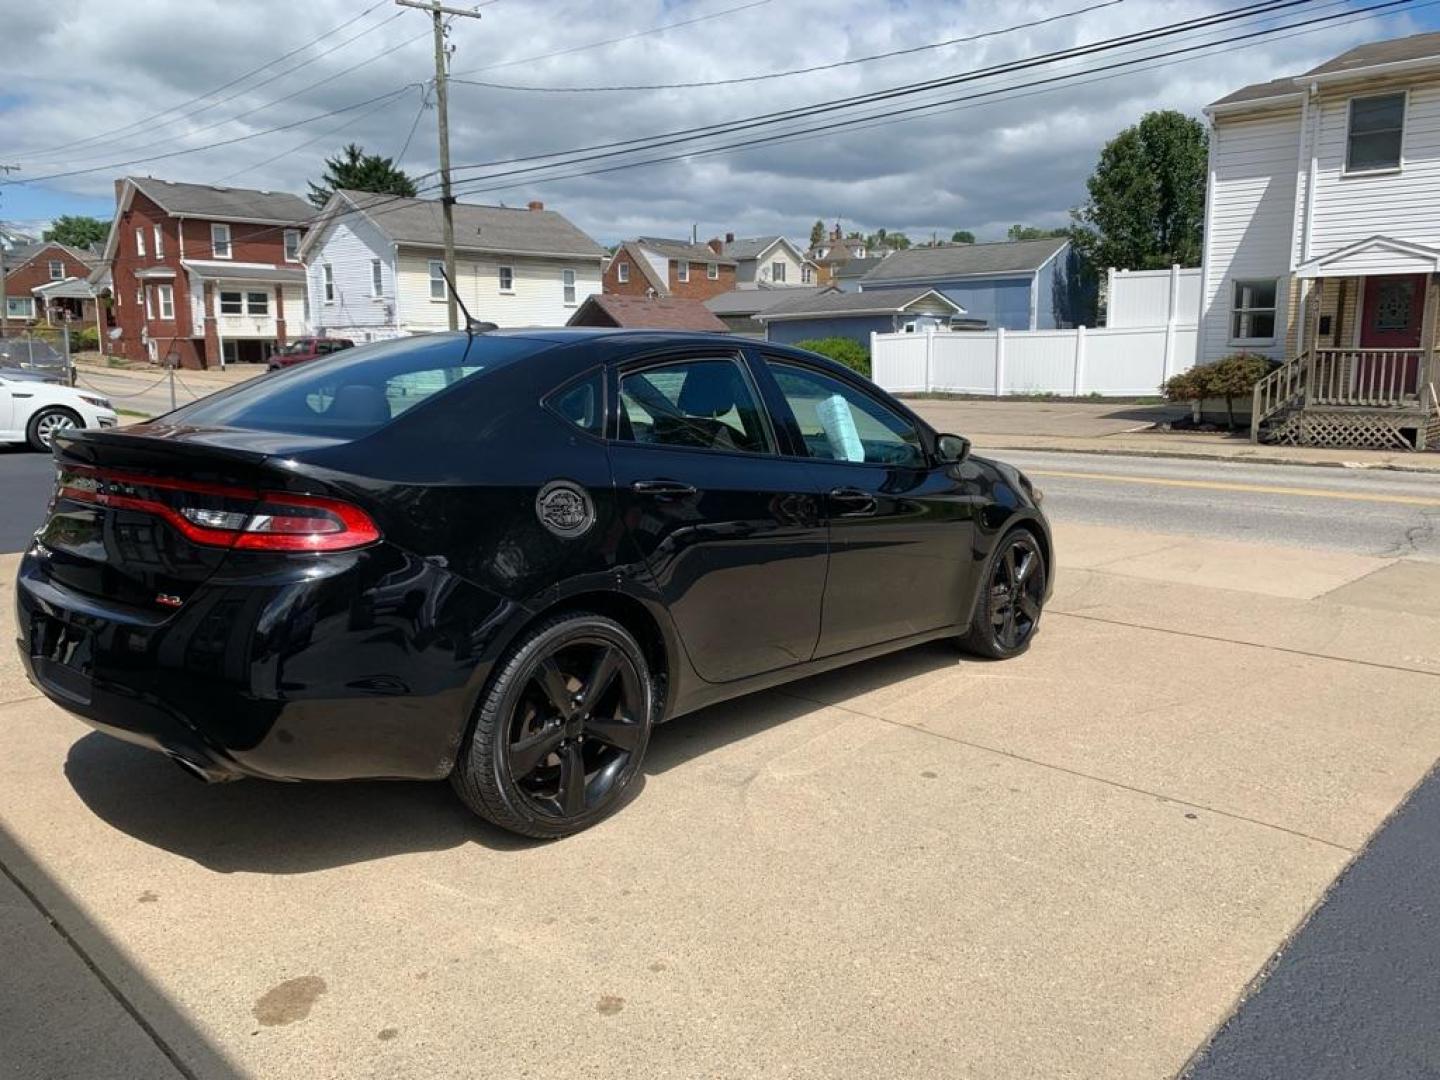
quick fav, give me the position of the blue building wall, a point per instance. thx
(856, 328)
(999, 301)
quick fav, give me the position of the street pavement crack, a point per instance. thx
(1119, 785)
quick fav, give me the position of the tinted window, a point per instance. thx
(706, 404)
(356, 391)
(583, 404)
(840, 423)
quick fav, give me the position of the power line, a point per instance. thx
(614, 40)
(110, 136)
(620, 147)
(800, 71)
(870, 120)
(414, 124)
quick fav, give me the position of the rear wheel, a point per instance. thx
(1007, 613)
(47, 423)
(561, 730)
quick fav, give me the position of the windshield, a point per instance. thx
(295, 348)
(351, 393)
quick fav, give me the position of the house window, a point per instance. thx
(232, 303)
(220, 241)
(140, 243)
(437, 280)
(377, 277)
(777, 271)
(507, 278)
(622, 273)
(149, 309)
(1252, 315)
(684, 274)
(1377, 128)
(166, 295)
(568, 276)
(257, 303)
(807, 276)
(57, 270)
(159, 243)
(292, 245)
(712, 271)
(328, 273)
(20, 307)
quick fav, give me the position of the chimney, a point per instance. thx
(729, 238)
(535, 204)
(717, 245)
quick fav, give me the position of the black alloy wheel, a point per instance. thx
(562, 729)
(1008, 611)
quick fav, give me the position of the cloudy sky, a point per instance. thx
(93, 85)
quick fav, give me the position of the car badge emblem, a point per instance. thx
(565, 508)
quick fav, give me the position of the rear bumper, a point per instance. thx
(367, 670)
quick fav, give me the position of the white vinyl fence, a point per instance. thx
(1152, 297)
(1111, 361)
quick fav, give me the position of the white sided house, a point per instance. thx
(1322, 245)
(373, 266)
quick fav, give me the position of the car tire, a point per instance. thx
(1007, 612)
(588, 746)
(45, 423)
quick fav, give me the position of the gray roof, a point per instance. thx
(833, 302)
(225, 203)
(751, 301)
(750, 247)
(964, 260)
(18, 257)
(685, 251)
(291, 275)
(501, 229)
(1395, 50)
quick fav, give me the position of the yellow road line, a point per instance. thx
(1256, 489)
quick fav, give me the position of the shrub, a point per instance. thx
(84, 339)
(1229, 377)
(842, 350)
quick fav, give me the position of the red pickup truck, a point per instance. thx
(307, 348)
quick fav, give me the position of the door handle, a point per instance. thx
(663, 489)
(859, 503)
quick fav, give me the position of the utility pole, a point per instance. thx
(447, 201)
(4, 299)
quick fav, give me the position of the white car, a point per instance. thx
(33, 409)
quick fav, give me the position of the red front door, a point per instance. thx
(1391, 316)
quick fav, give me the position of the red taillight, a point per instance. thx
(266, 520)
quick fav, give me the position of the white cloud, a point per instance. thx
(83, 68)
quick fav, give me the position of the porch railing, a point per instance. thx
(1280, 389)
(1376, 377)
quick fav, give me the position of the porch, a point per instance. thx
(1362, 370)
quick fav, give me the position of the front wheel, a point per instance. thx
(46, 424)
(561, 730)
(1007, 612)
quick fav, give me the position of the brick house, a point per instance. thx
(29, 267)
(652, 266)
(209, 274)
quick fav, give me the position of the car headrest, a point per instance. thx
(360, 404)
(709, 390)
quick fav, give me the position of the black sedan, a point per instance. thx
(502, 557)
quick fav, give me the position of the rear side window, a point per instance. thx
(354, 392)
(704, 404)
(581, 403)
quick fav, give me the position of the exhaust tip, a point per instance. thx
(200, 772)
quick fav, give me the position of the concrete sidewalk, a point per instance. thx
(1109, 428)
(1067, 865)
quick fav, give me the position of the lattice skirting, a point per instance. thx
(1360, 430)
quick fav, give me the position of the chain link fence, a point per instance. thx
(28, 353)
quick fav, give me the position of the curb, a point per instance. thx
(1257, 459)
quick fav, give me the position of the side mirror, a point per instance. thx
(952, 449)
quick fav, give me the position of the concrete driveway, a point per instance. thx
(1069, 865)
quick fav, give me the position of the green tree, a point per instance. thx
(1032, 232)
(77, 230)
(898, 240)
(962, 236)
(356, 170)
(817, 232)
(843, 350)
(1147, 196)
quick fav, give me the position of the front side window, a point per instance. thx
(377, 279)
(328, 272)
(507, 279)
(1252, 315)
(437, 280)
(777, 271)
(57, 270)
(1377, 130)
(840, 423)
(684, 273)
(220, 241)
(702, 404)
(166, 295)
(568, 284)
(232, 303)
(292, 245)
